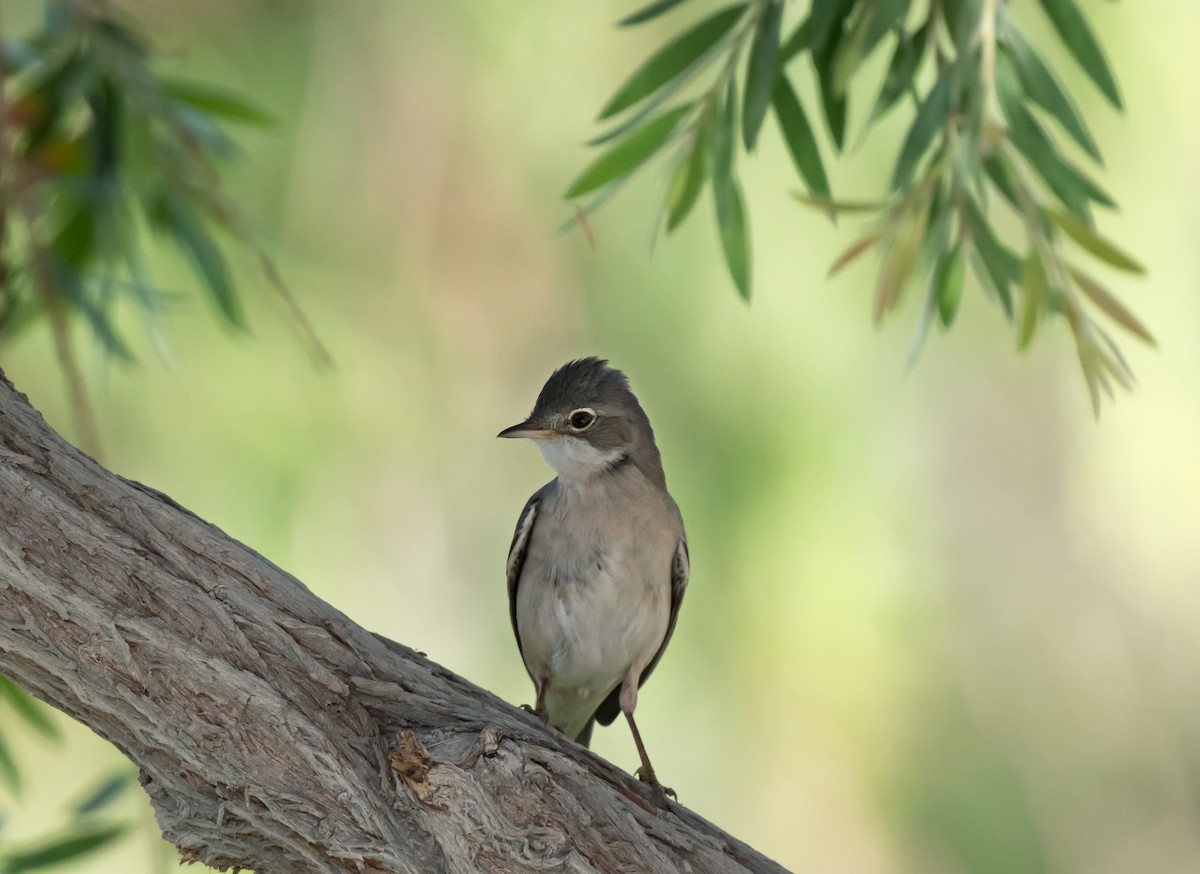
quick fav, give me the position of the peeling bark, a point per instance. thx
(273, 733)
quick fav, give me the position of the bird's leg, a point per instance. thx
(539, 710)
(658, 792)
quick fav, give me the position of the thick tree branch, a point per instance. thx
(272, 732)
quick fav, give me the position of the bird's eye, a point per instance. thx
(582, 419)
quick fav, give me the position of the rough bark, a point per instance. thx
(273, 733)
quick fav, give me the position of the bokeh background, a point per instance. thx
(940, 620)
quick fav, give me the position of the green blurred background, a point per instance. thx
(939, 620)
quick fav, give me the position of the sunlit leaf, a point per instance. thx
(930, 118)
(760, 73)
(59, 850)
(687, 183)
(799, 41)
(673, 59)
(1077, 36)
(798, 135)
(1103, 249)
(629, 154)
(1111, 307)
(826, 204)
(948, 283)
(1039, 82)
(35, 714)
(648, 13)
(1034, 290)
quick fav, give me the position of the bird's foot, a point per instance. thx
(543, 714)
(655, 791)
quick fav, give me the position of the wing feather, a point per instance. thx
(516, 559)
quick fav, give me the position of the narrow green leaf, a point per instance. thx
(735, 243)
(70, 284)
(106, 792)
(852, 50)
(1069, 185)
(833, 101)
(1112, 307)
(629, 154)
(31, 710)
(1002, 268)
(727, 197)
(687, 183)
(761, 72)
(648, 13)
(59, 850)
(1039, 82)
(205, 256)
(673, 59)
(798, 135)
(962, 20)
(825, 23)
(906, 59)
(799, 41)
(10, 775)
(930, 118)
(216, 102)
(1034, 291)
(826, 204)
(997, 170)
(1103, 249)
(948, 282)
(1077, 36)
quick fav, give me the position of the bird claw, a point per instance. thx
(655, 791)
(543, 714)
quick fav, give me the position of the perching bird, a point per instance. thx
(599, 561)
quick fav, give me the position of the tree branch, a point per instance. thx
(272, 732)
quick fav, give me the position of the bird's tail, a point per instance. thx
(585, 736)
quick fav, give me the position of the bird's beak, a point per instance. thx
(529, 428)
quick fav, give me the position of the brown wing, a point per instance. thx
(681, 568)
(516, 558)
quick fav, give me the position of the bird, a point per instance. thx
(599, 562)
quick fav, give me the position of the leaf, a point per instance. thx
(1069, 185)
(687, 183)
(1001, 267)
(10, 775)
(59, 850)
(855, 249)
(875, 20)
(205, 255)
(833, 102)
(648, 13)
(108, 791)
(29, 709)
(625, 157)
(1094, 243)
(761, 71)
(798, 135)
(1043, 88)
(826, 204)
(727, 198)
(799, 41)
(217, 102)
(1077, 36)
(898, 264)
(1111, 307)
(1034, 290)
(735, 243)
(672, 59)
(931, 116)
(948, 283)
(997, 170)
(906, 59)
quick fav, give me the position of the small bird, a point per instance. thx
(599, 561)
